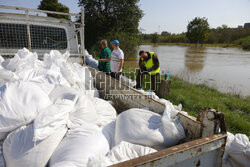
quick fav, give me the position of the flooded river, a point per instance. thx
(226, 69)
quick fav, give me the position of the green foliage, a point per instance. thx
(165, 33)
(197, 30)
(128, 42)
(244, 42)
(111, 19)
(155, 38)
(53, 5)
(171, 38)
(226, 35)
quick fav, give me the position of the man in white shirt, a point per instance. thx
(117, 60)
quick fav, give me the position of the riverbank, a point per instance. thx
(190, 44)
(194, 97)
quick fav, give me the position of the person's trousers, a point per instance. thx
(113, 75)
(153, 78)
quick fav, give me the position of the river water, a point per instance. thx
(226, 69)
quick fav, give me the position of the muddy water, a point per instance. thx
(226, 69)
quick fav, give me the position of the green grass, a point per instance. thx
(234, 45)
(194, 97)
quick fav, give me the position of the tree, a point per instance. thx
(165, 33)
(54, 5)
(109, 18)
(197, 30)
(155, 38)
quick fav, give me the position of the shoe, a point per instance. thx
(137, 87)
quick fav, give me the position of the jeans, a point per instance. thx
(153, 78)
(113, 75)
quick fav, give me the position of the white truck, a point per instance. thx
(205, 135)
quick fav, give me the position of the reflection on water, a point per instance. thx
(194, 58)
(226, 69)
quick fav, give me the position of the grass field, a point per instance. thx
(194, 97)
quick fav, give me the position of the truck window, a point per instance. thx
(14, 36)
(43, 37)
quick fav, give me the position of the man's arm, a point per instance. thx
(120, 66)
(107, 59)
(156, 63)
(141, 64)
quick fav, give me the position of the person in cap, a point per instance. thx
(149, 64)
(117, 60)
(104, 57)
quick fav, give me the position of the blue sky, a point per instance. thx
(173, 15)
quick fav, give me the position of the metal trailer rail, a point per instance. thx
(205, 135)
(71, 29)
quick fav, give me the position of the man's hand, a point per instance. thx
(118, 73)
(101, 60)
(149, 70)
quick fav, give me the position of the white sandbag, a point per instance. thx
(225, 161)
(91, 61)
(3, 135)
(173, 130)
(149, 94)
(139, 126)
(126, 151)
(170, 109)
(52, 118)
(120, 153)
(238, 151)
(78, 145)
(106, 113)
(24, 59)
(8, 75)
(128, 81)
(2, 161)
(83, 112)
(146, 128)
(1, 59)
(55, 58)
(20, 102)
(63, 92)
(20, 150)
(109, 132)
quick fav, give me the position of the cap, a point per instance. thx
(116, 42)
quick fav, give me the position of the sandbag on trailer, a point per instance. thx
(78, 145)
(20, 150)
(23, 60)
(146, 128)
(106, 113)
(83, 109)
(237, 151)
(20, 102)
(122, 152)
(90, 60)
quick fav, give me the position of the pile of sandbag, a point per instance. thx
(50, 114)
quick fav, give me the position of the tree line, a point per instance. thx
(198, 32)
(112, 19)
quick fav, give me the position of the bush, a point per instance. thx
(128, 42)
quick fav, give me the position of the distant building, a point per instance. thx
(240, 26)
(247, 25)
